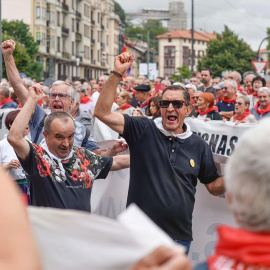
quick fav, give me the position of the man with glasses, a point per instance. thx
(61, 99)
(166, 157)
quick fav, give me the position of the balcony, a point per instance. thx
(102, 45)
(92, 41)
(78, 36)
(66, 55)
(65, 8)
(65, 31)
(92, 22)
(78, 15)
(103, 64)
(93, 62)
(47, 49)
(102, 27)
(48, 23)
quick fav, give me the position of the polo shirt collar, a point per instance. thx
(186, 134)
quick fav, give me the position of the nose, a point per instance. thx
(65, 142)
(57, 97)
(170, 107)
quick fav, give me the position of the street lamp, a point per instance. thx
(258, 58)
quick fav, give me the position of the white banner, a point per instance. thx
(69, 240)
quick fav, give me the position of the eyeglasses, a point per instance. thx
(60, 95)
(238, 103)
(177, 104)
(225, 88)
(195, 97)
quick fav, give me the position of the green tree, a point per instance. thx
(118, 9)
(181, 74)
(268, 46)
(140, 32)
(227, 52)
(21, 32)
(23, 61)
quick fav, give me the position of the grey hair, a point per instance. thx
(247, 178)
(105, 76)
(233, 83)
(169, 82)
(55, 115)
(245, 99)
(81, 87)
(4, 91)
(239, 77)
(262, 89)
(70, 90)
(28, 82)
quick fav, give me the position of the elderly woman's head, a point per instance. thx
(257, 83)
(241, 105)
(123, 98)
(247, 179)
(205, 101)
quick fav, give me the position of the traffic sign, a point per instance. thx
(259, 66)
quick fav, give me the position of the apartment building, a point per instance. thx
(175, 50)
(76, 37)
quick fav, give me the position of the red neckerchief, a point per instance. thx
(85, 100)
(252, 93)
(7, 100)
(239, 88)
(208, 110)
(226, 100)
(124, 107)
(146, 102)
(260, 111)
(240, 249)
(39, 103)
(245, 114)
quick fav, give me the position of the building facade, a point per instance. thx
(175, 50)
(76, 37)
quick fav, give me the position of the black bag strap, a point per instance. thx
(85, 139)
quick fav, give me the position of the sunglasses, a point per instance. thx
(195, 97)
(177, 104)
(238, 103)
(60, 96)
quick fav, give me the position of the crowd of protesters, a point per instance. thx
(63, 119)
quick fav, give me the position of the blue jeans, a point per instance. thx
(184, 243)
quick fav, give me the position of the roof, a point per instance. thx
(204, 36)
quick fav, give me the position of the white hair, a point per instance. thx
(233, 83)
(262, 89)
(247, 178)
(70, 88)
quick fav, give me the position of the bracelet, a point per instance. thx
(116, 73)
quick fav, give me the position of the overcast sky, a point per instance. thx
(248, 19)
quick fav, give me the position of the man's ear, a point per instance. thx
(188, 110)
(45, 135)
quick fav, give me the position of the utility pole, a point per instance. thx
(192, 34)
(148, 40)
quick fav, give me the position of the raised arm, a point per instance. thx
(14, 78)
(103, 107)
(15, 135)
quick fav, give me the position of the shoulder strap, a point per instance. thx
(85, 139)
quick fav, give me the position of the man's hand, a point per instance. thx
(123, 62)
(118, 147)
(8, 47)
(164, 258)
(36, 92)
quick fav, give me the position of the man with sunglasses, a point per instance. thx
(166, 157)
(61, 99)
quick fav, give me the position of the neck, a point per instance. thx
(239, 114)
(263, 107)
(208, 84)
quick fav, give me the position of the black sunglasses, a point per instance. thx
(177, 104)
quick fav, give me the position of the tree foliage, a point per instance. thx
(227, 52)
(23, 61)
(181, 74)
(21, 32)
(118, 9)
(268, 46)
(140, 32)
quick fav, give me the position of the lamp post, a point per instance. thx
(258, 58)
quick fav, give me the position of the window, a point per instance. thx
(58, 18)
(86, 30)
(73, 48)
(43, 40)
(58, 44)
(52, 42)
(86, 11)
(86, 52)
(98, 35)
(37, 12)
(52, 17)
(38, 37)
(72, 24)
(107, 40)
(98, 55)
(43, 14)
(98, 17)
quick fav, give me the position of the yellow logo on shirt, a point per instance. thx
(192, 163)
